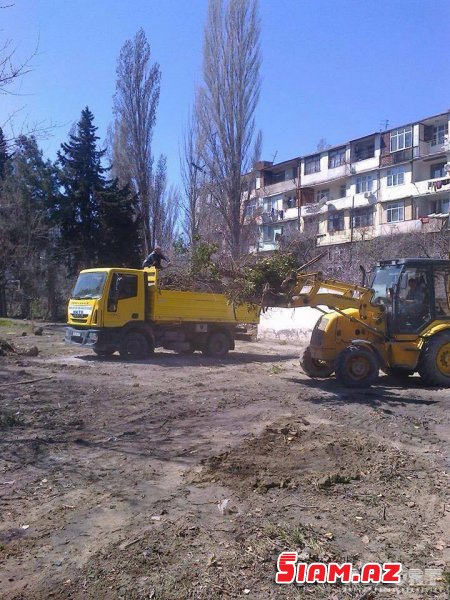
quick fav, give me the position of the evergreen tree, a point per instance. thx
(97, 218)
(4, 155)
(28, 190)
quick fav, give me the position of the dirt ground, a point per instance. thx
(113, 475)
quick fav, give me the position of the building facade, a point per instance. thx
(394, 181)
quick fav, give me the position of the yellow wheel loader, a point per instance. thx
(399, 323)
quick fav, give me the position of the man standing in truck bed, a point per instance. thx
(154, 259)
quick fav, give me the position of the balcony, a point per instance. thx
(433, 148)
(359, 155)
(279, 188)
(395, 158)
(432, 186)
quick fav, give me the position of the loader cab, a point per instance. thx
(414, 293)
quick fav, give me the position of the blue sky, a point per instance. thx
(331, 69)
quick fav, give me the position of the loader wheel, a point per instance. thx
(434, 361)
(134, 345)
(314, 368)
(217, 345)
(356, 367)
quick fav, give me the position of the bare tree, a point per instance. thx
(165, 206)
(194, 179)
(227, 103)
(135, 103)
(169, 225)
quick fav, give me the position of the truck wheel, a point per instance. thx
(315, 368)
(434, 361)
(217, 345)
(134, 345)
(356, 367)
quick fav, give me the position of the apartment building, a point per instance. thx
(388, 182)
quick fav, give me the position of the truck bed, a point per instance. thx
(175, 306)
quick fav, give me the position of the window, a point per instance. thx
(312, 164)
(336, 221)
(336, 158)
(413, 306)
(122, 287)
(442, 293)
(251, 207)
(401, 139)
(439, 206)
(322, 195)
(273, 205)
(271, 234)
(395, 176)
(290, 202)
(342, 191)
(362, 217)
(364, 184)
(89, 285)
(437, 170)
(363, 150)
(277, 177)
(439, 133)
(395, 212)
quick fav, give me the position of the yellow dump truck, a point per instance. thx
(124, 309)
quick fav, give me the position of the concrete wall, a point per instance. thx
(291, 324)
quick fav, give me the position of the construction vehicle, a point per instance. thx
(126, 310)
(399, 323)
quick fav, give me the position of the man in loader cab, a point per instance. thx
(154, 259)
(415, 291)
(415, 301)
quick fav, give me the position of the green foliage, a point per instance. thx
(97, 218)
(6, 323)
(250, 281)
(180, 248)
(202, 262)
(4, 156)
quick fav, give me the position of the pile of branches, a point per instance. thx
(180, 277)
(243, 282)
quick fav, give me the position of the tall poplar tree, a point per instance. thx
(226, 107)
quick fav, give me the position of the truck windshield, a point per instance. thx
(89, 285)
(384, 282)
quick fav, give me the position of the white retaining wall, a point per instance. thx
(291, 324)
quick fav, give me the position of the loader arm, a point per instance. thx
(311, 289)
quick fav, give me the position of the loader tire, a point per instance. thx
(316, 369)
(217, 345)
(434, 361)
(134, 345)
(356, 367)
